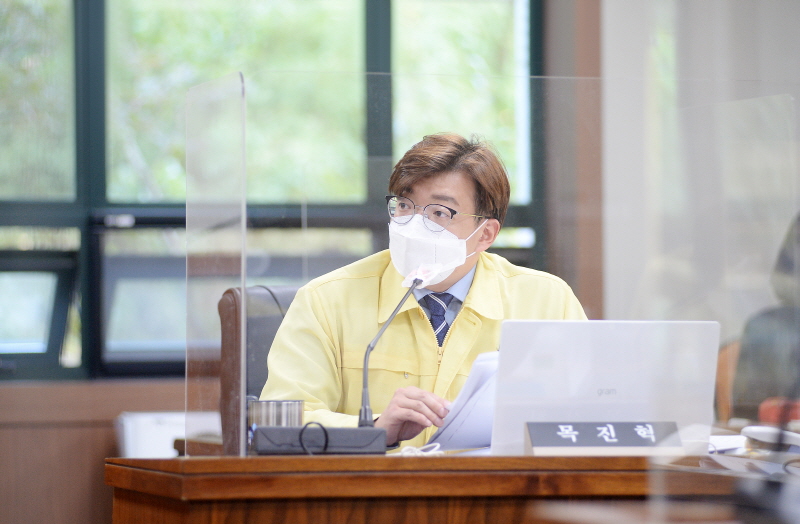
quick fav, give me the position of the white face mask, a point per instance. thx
(418, 252)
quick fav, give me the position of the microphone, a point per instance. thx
(313, 438)
(365, 414)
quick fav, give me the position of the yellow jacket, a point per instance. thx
(318, 352)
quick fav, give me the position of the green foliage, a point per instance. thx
(158, 50)
(454, 65)
(37, 110)
(303, 64)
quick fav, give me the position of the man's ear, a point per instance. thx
(488, 234)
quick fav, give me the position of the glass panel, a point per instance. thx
(144, 296)
(705, 222)
(287, 113)
(281, 252)
(476, 81)
(157, 50)
(37, 101)
(689, 232)
(215, 248)
(719, 208)
(700, 207)
(294, 256)
(26, 306)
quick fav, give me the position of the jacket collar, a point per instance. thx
(483, 296)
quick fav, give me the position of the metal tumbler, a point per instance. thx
(274, 413)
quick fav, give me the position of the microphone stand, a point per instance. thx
(365, 414)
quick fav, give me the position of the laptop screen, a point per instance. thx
(605, 371)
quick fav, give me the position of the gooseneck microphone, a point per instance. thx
(313, 438)
(365, 414)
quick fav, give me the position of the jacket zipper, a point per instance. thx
(440, 349)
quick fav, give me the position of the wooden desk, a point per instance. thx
(353, 490)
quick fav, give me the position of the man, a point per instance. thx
(449, 199)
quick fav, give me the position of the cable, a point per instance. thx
(303, 444)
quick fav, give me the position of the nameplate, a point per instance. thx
(549, 439)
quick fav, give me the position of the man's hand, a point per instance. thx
(409, 412)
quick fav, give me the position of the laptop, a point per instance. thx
(605, 371)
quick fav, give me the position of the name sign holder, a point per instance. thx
(586, 439)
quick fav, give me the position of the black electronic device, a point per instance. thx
(312, 439)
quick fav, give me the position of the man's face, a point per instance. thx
(456, 191)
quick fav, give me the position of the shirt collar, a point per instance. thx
(482, 291)
(459, 290)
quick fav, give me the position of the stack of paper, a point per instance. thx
(469, 423)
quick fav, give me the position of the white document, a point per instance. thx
(469, 423)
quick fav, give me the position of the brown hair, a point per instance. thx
(448, 152)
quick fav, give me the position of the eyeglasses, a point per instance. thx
(436, 217)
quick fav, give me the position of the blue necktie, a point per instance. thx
(437, 304)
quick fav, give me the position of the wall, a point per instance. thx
(54, 437)
(573, 159)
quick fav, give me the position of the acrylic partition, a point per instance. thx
(652, 203)
(215, 242)
(701, 222)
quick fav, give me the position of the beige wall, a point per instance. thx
(573, 140)
(54, 437)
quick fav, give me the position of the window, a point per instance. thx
(158, 50)
(93, 138)
(37, 135)
(37, 304)
(481, 57)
